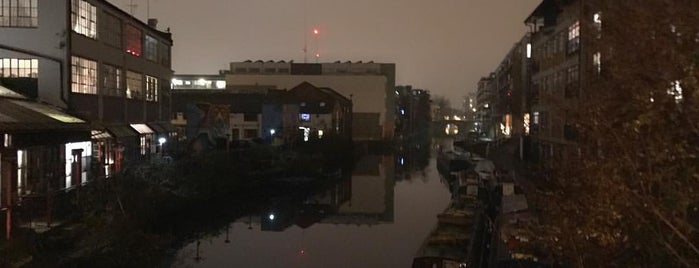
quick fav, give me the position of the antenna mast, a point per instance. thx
(305, 33)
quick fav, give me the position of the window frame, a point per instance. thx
(10, 17)
(83, 75)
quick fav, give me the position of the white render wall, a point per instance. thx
(49, 39)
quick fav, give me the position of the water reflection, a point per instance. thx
(376, 217)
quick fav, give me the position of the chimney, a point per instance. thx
(153, 23)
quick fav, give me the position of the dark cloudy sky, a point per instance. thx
(444, 46)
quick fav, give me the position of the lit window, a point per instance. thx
(322, 104)
(111, 30)
(305, 117)
(676, 91)
(19, 68)
(151, 48)
(134, 43)
(151, 88)
(574, 37)
(84, 18)
(18, 13)
(84, 74)
(111, 81)
(597, 61)
(134, 85)
(529, 50)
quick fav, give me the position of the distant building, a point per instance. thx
(302, 112)
(370, 87)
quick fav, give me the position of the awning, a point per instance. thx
(18, 116)
(122, 131)
(162, 127)
(157, 128)
(35, 124)
(142, 128)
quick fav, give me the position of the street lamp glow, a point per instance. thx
(272, 132)
(162, 140)
(271, 217)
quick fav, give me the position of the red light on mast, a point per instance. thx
(315, 31)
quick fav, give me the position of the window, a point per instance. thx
(19, 68)
(18, 13)
(305, 117)
(597, 21)
(22, 172)
(574, 37)
(151, 48)
(573, 74)
(134, 85)
(250, 133)
(134, 44)
(111, 30)
(164, 54)
(250, 117)
(597, 62)
(111, 81)
(84, 18)
(84, 73)
(151, 88)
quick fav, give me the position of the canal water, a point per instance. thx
(378, 217)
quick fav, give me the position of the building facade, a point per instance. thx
(370, 87)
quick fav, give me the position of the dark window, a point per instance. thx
(111, 30)
(250, 117)
(112, 84)
(250, 133)
(151, 48)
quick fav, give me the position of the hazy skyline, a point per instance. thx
(443, 46)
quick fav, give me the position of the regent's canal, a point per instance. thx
(377, 218)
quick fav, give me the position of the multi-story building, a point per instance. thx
(370, 87)
(97, 63)
(485, 97)
(556, 52)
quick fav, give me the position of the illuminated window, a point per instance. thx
(574, 37)
(151, 88)
(134, 43)
(19, 68)
(597, 61)
(111, 30)
(84, 74)
(134, 85)
(151, 48)
(22, 172)
(111, 81)
(305, 117)
(84, 18)
(18, 13)
(676, 91)
(597, 21)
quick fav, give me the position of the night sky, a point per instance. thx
(444, 46)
